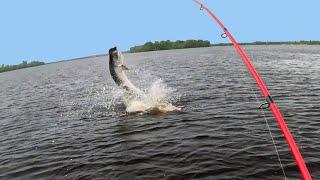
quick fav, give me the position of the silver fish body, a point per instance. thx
(118, 72)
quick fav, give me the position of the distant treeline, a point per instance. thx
(24, 64)
(274, 43)
(165, 45)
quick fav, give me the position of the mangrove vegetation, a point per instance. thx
(24, 64)
(166, 45)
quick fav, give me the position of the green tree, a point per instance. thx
(24, 64)
(164, 45)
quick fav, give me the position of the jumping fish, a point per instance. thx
(118, 72)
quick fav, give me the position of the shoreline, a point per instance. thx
(257, 43)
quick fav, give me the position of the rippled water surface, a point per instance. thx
(67, 120)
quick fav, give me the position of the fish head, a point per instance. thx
(113, 52)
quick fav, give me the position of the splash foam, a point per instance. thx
(157, 99)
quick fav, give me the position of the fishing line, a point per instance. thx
(268, 126)
(246, 79)
(305, 174)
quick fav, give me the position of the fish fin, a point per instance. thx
(124, 67)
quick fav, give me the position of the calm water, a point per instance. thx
(67, 120)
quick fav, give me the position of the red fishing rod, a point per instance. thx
(305, 174)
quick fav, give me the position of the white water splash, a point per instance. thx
(157, 99)
(114, 101)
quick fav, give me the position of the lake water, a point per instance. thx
(67, 120)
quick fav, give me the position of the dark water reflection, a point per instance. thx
(66, 120)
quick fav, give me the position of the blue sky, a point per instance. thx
(64, 29)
